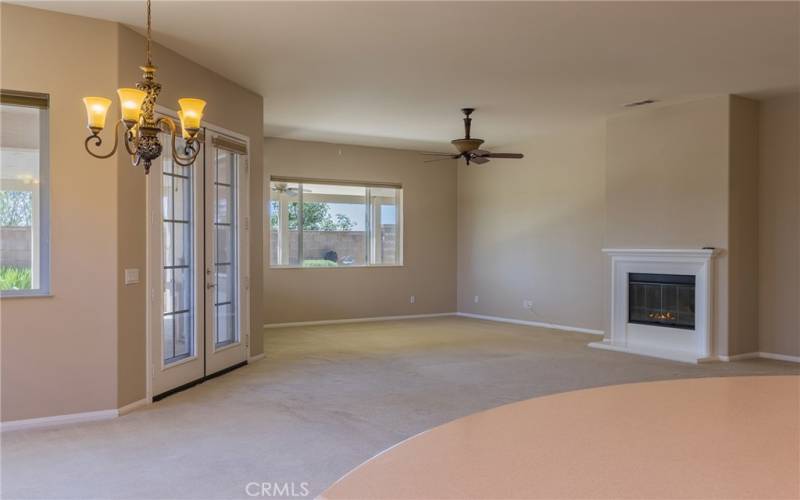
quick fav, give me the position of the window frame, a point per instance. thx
(42, 103)
(369, 230)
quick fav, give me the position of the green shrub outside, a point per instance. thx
(15, 278)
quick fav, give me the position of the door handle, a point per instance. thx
(209, 284)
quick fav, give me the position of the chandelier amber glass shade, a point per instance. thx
(184, 132)
(130, 103)
(191, 113)
(96, 111)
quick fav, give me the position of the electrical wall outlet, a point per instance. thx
(527, 304)
(412, 299)
(476, 299)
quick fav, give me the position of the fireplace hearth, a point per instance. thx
(661, 300)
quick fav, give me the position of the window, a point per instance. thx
(339, 224)
(24, 195)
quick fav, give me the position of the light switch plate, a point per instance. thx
(131, 276)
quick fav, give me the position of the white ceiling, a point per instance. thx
(395, 74)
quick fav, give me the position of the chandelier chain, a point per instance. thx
(149, 62)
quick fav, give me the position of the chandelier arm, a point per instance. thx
(184, 161)
(98, 141)
(131, 142)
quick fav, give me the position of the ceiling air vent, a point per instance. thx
(640, 103)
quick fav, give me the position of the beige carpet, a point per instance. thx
(325, 399)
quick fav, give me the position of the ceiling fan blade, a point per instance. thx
(480, 160)
(505, 155)
(436, 154)
(451, 157)
(479, 152)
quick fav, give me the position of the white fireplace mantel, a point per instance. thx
(659, 341)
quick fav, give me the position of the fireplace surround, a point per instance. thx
(661, 303)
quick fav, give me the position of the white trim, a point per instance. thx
(651, 352)
(357, 320)
(540, 324)
(133, 406)
(72, 418)
(779, 357)
(734, 357)
(739, 357)
(498, 319)
(701, 253)
(255, 358)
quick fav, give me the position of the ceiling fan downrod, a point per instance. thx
(467, 121)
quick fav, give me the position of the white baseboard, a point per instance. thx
(72, 418)
(754, 355)
(671, 355)
(779, 357)
(552, 326)
(739, 357)
(434, 315)
(357, 320)
(255, 358)
(133, 406)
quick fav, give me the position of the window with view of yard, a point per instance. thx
(324, 224)
(24, 215)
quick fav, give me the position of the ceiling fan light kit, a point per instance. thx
(469, 148)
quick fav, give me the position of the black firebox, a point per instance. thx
(661, 299)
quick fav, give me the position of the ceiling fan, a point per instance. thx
(469, 148)
(281, 187)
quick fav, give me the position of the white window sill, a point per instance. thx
(373, 266)
(25, 295)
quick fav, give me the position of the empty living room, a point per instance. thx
(407, 250)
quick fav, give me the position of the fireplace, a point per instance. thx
(661, 303)
(661, 299)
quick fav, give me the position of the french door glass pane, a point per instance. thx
(177, 259)
(225, 229)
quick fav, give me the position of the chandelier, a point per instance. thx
(140, 135)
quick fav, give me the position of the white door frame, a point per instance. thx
(244, 249)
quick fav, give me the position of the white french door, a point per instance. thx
(197, 263)
(225, 249)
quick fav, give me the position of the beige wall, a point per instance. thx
(779, 226)
(667, 185)
(743, 227)
(83, 349)
(532, 229)
(429, 270)
(59, 354)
